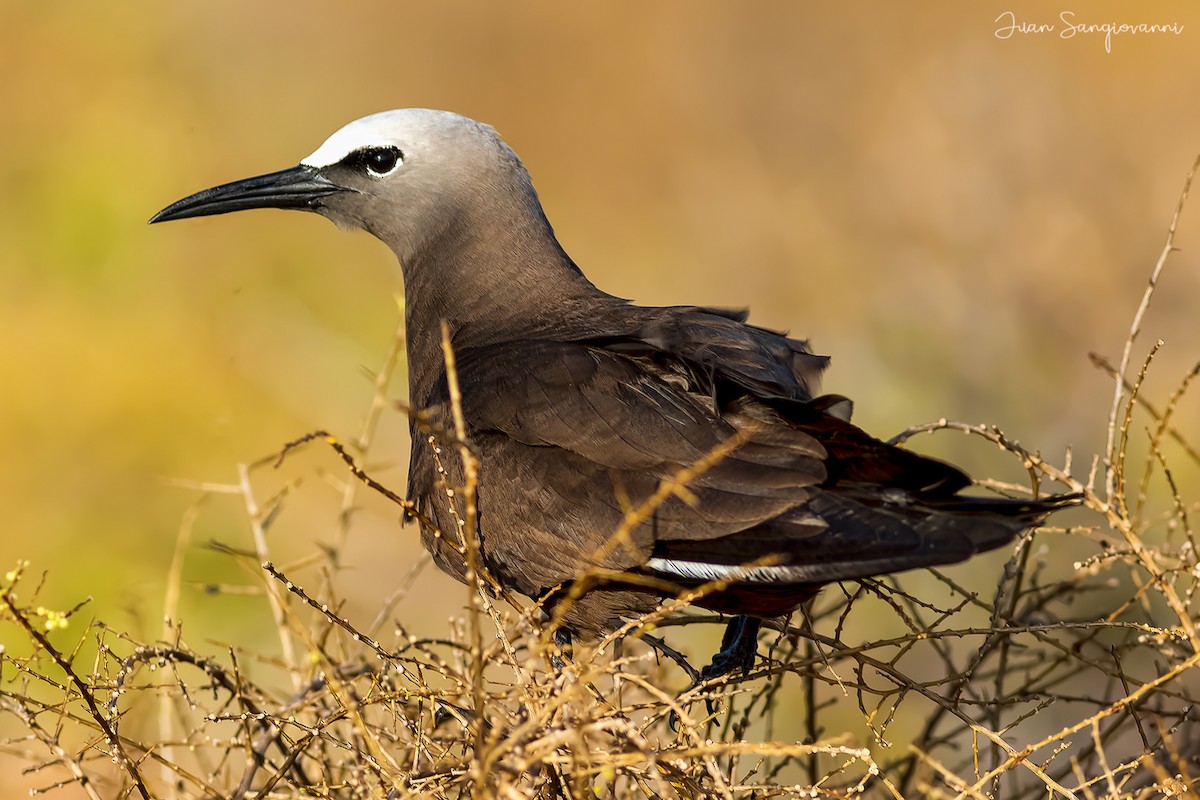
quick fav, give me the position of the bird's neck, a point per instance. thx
(489, 285)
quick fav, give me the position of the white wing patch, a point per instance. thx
(702, 571)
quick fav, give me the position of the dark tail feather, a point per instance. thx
(991, 522)
(1026, 512)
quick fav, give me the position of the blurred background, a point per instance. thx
(957, 218)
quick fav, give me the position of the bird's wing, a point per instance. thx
(621, 411)
(574, 438)
(722, 348)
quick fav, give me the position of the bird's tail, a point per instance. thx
(991, 522)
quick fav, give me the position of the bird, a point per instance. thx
(580, 406)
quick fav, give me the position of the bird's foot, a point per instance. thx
(564, 649)
(739, 648)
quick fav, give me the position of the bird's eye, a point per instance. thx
(379, 161)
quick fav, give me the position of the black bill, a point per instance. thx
(300, 187)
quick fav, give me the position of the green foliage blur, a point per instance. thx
(956, 218)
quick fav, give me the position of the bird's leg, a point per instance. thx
(739, 646)
(564, 648)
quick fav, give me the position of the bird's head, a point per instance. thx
(406, 176)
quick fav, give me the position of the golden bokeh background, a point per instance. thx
(958, 219)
